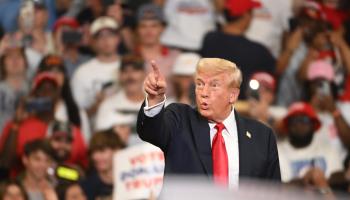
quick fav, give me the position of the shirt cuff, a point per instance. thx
(153, 110)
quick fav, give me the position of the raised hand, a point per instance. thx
(155, 85)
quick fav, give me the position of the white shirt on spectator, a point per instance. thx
(328, 131)
(294, 162)
(230, 135)
(269, 23)
(89, 78)
(188, 22)
(118, 103)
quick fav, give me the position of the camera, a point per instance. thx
(38, 105)
(71, 37)
(324, 88)
(253, 89)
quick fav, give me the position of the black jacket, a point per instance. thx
(184, 137)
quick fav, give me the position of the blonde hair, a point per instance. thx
(219, 65)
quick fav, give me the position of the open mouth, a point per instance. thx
(204, 106)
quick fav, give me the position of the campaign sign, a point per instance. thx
(138, 172)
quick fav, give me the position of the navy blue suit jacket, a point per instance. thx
(184, 137)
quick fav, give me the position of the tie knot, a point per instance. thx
(220, 127)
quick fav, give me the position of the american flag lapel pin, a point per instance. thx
(248, 134)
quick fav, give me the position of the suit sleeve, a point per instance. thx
(273, 166)
(158, 129)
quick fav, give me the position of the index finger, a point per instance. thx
(155, 69)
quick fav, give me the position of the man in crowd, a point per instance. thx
(37, 159)
(182, 78)
(150, 26)
(67, 40)
(212, 140)
(91, 78)
(231, 44)
(99, 184)
(129, 99)
(61, 136)
(321, 92)
(261, 96)
(301, 152)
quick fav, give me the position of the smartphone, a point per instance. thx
(38, 105)
(26, 15)
(71, 37)
(324, 88)
(253, 90)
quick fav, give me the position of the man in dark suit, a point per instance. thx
(212, 139)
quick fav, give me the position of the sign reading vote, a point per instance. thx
(138, 172)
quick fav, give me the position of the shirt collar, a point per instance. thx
(229, 122)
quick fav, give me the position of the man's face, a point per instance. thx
(300, 130)
(106, 42)
(41, 17)
(132, 79)
(215, 95)
(37, 164)
(103, 159)
(149, 31)
(47, 89)
(14, 63)
(62, 146)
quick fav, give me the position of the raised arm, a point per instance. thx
(154, 122)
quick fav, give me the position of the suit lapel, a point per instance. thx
(244, 147)
(201, 133)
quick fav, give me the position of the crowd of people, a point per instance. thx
(72, 73)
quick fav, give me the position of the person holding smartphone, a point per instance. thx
(323, 95)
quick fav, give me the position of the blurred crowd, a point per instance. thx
(72, 71)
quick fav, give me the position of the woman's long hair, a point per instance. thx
(50, 61)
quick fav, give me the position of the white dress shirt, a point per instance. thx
(230, 135)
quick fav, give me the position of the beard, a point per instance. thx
(62, 155)
(300, 141)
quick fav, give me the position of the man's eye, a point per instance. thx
(199, 84)
(215, 85)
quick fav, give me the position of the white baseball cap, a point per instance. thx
(109, 119)
(185, 64)
(103, 23)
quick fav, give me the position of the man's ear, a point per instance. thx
(234, 95)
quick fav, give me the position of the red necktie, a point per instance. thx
(220, 160)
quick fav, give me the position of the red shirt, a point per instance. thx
(33, 128)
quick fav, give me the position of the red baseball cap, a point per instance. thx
(334, 16)
(240, 7)
(66, 21)
(302, 108)
(43, 76)
(265, 79)
(313, 10)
